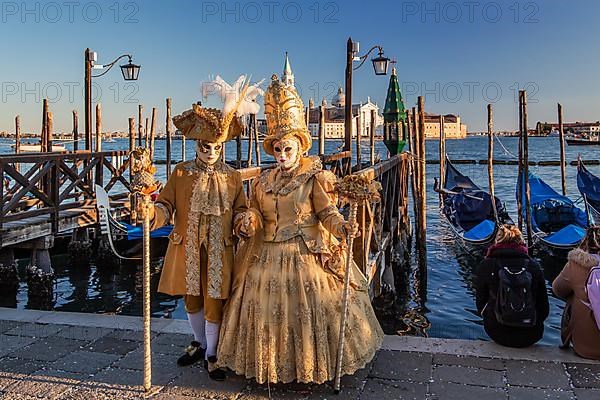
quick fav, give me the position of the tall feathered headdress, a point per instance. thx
(214, 125)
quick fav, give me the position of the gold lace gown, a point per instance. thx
(282, 320)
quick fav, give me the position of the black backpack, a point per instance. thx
(515, 298)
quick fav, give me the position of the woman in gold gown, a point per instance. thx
(282, 321)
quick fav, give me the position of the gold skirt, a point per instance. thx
(282, 322)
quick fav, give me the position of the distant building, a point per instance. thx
(335, 115)
(453, 128)
(576, 128)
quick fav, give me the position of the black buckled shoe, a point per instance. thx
(215, 373)
(193, 353)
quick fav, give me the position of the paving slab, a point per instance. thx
(85, 362)
(587, 394)
(8, 325)
(135, 360)
(469, 361)
(397, 365)
(194, 382)
(18, 366)
(520, 392)
(45, 387)
(113, 346)
(457, 391)
(83, 332)
(377, 389)
(584, 375)
(536, 374)
(468, 375)
(30, 329)
(48, 349)
(8, 343)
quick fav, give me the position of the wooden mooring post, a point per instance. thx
(152, 132)
(526, 169)
(520, 168)
(372, 137)
(491, 159)
(238, 147)
(140, 124)
(250, 145)
(322, 111)
(98, 127)
(43, 143)
(359, 140)
(169, 132)
(17, 139)
(75, 131)
(256, 139)
(563, 162)
(422, 243)
(442, 156)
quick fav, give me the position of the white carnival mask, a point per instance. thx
(208, 153)
(286, 152)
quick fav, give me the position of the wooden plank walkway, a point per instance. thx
(15, 232)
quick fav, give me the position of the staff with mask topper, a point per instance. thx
(206, 200)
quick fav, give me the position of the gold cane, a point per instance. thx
(355, 190)
(143, 184)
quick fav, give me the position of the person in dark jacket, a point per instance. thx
(509, 250)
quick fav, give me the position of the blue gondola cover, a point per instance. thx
(135, 232)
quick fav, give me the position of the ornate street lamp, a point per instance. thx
(130, 72)
(380, 65)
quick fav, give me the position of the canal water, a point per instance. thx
(445, 309)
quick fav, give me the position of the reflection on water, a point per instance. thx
(444, 307)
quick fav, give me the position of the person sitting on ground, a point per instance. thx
(511, 292)
(578, 323)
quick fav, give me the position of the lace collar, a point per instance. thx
(273, 181)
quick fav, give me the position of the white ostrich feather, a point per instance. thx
(239, 97)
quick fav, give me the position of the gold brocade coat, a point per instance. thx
(303, 206)
(181, 270)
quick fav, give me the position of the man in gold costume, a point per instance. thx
(205, 198)
(282, 320)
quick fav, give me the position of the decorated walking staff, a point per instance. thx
(143, 184)
(354, 190)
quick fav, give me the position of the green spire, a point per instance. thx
(394, 117)
(394, 105)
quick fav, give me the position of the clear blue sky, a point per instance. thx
(457, 53)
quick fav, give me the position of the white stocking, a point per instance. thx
(197, 323)
(212, 338)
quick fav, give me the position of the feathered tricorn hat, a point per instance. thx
(218, 126)
(284, 112)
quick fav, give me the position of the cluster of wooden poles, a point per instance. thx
(416, 140)
(523, 161)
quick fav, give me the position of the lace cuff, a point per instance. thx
(162, 217)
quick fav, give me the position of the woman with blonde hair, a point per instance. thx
(578, 324)
(511, 291)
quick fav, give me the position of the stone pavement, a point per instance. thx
(54, 355)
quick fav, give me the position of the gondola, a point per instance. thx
(589, 187)
(125, 240)
(469, 211)
(556, 223)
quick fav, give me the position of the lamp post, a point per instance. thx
(130, 72)
(380, 66)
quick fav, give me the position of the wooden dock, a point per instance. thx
(44, 194)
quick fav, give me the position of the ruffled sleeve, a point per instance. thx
(324, 200)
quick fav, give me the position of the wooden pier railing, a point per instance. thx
(41, 186)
